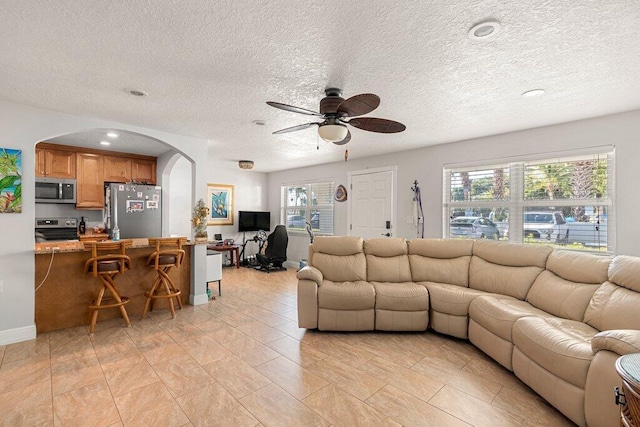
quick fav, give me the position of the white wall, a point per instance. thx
(20, 128)
(250, 194)
(425, 165)
(178, 190)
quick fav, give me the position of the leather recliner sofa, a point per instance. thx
(558, 319)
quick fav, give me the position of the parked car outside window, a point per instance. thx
(473, 227)
(299, 221)
(296, 221)
(550, 226)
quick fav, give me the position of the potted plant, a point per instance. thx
(199, 221)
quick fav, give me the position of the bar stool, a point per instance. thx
(108, 267)
(168, 254)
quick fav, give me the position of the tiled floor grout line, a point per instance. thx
(413, 352)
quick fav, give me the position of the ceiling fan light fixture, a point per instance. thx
(245, 164)
(333, 133)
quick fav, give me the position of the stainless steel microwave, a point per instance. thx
(55, 190)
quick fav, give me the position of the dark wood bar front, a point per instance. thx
(61, 302)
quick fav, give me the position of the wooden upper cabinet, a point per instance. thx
(90, 181)
(117, 169)
(55, 163)
(40, 163)
(143, 170)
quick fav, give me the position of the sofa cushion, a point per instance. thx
(339, 258)
(440, 248)
(440, 260)
(450, 299)
(579, 267)
(401, 296)
(498, 313)
(454, 271)
(565, 288)
(385, 247)
(512, 254)
(506, 268)
(338, 245)
(624, 271)
(341, 268)
(560, 346)
(387, 260)
(561, 297)
(357, 295)
(501, 279)
(613, 307)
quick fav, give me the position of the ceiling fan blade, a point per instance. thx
(358, 105)
(295, 128)
(293, 109)
(373, 124)
(345, 140)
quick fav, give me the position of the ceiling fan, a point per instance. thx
(335, 112)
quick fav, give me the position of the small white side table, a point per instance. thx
(214, 269)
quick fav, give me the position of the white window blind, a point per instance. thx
(565, 200)
(310, 203)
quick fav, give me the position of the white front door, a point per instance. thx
(371, 210)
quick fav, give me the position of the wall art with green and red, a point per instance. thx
(10, 180)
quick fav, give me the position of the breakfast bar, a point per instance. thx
(63, 290)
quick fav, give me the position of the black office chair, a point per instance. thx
(275, 254)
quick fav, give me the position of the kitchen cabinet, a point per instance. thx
(55, 163)
(90, 181)
(92, 168)
(143, 170)
(127, 169)
(117, 169)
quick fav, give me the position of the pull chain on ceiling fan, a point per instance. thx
(336, 111)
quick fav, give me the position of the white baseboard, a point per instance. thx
(291, 264)
(198, 299)
(11, 336)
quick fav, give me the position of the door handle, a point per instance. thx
(386, 234)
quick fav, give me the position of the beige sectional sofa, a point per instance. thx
(558, 319)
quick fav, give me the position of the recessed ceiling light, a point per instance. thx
(533, 93)
(105, 143)
(136, 92)
(112, 135)
(259, 122)
(484, 30)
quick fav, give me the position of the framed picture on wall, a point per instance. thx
(220, 203)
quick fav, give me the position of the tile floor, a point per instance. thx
(242, 361)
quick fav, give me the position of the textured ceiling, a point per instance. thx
(210, 66)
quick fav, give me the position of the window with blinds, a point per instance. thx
(565, 201)
(308, 203)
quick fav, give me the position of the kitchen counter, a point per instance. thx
(61, 301)
(78, 246)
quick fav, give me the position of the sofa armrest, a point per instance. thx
(620, 341)
(310, 273)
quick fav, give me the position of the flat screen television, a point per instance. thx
(254, 221)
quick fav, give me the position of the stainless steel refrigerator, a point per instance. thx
(135, 208)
